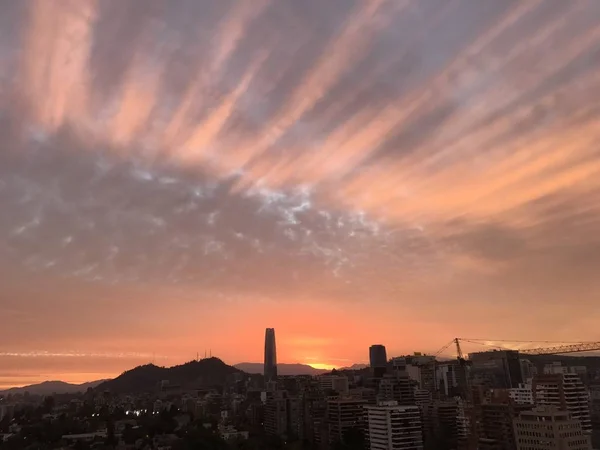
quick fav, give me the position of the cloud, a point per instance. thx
(417, 155)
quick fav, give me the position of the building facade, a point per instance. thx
(343, 415)
(548, 428)
(389, 426)
(270, 369)
(497, 369)
(378, 359)
(566, 392)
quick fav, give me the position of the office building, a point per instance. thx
(378, 359)
(390, 426)
(270, 370)
(566, 392)
(497, 369)
(548, 428)
(343, 415)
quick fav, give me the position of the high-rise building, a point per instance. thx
(397, 387)
(343, 415)
(390, 426)
(451, 378)
(444, 426)
(270, 370)
(497, 369)
(421, 368)
(548, 428)
(282, 414)
(566, 392)
(378, 359)
(496, 421)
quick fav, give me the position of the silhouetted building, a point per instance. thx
(270, 370)
(343, 415)
(314, 416)
(451, 378)
(397, 387)
(378, 359)
(282, 415)
(421, 368)
(497, 369)
(548, 428)
(338, 383)
(496, 421)
(390, 426)
(443, 424)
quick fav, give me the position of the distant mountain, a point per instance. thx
(592, 362)
(52, 387)
(355, 367)
(194, 374)
(282, 369)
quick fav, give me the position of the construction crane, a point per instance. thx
(565, 347)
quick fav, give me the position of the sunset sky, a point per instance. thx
(175, 176)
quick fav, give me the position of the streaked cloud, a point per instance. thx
(435, 159)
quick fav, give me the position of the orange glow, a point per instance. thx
(350, 173)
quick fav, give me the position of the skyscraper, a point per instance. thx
(270, 356)
(378, 359)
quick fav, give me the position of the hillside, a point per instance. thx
(282, 369)
(52, 387)
(194, 374)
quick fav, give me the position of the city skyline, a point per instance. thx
(174, 179)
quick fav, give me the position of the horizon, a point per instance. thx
(314, 366)
(3, 387)
(175, 179)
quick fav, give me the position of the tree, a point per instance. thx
(354, 439)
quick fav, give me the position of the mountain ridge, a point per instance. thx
(284, 369)
(193, 374)
(52, 387)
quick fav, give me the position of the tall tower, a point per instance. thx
(270, 355)
(378, 360)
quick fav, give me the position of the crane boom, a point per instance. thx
(560, 349)
(570, 347)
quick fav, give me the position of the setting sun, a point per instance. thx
(322, 366)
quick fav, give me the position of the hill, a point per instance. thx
(282, 369)
(355, 367)
(52, 387)
(194, 374)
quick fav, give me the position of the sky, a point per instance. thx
(177, 176)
